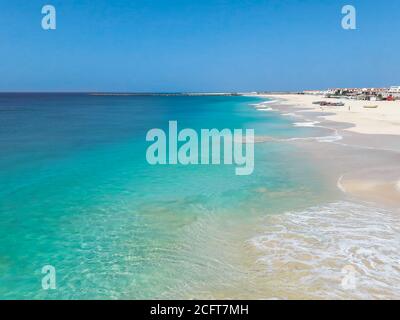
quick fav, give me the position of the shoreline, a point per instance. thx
(356, 229)
(362, 157)
(383, 120)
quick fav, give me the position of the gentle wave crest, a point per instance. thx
(317, 245)
(309, 124)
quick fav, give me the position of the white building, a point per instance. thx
(313, 92)
(394, 89)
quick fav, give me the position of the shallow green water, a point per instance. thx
(76, 192)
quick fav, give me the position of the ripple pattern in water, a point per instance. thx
(339, 250)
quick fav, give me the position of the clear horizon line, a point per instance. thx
(153, 92)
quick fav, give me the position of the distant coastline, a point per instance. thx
(91, 93)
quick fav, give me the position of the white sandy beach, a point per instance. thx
(371, 134)
(383, 120)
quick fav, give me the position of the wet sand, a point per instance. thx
(347, 248)
(364, 166)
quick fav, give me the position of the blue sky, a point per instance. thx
(198, 45)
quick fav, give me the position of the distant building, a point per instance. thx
(394, 89)
(313, 92)
(373, 94)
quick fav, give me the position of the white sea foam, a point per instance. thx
(315, 246)
(314, 124)
(306, 124)
(271, 101)
(334, 138)
(291, 114)
(265, 109)
(264, 106)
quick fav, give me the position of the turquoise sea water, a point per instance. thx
(77, 193)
